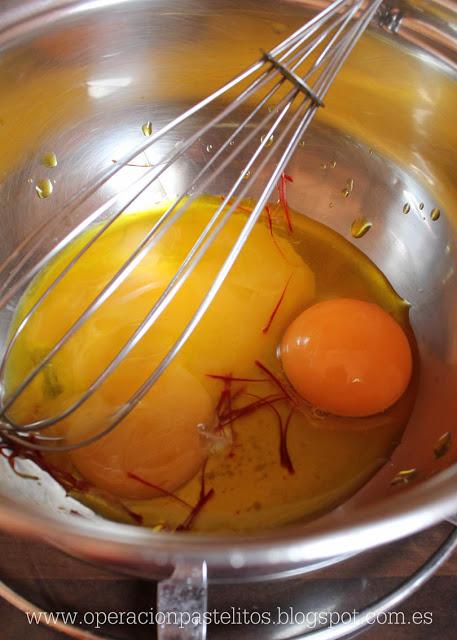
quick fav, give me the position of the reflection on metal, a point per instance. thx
(182, 601)
(416, 255)
(404, 477)
(187, 589)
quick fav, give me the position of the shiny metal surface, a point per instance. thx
(332, 35)
(181, 595)
(299, 599)
(81, 80)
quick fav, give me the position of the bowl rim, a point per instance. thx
(414, 509)
(409, 512)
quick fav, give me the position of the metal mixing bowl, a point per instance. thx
(79, 78)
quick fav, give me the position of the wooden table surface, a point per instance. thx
(59, 582)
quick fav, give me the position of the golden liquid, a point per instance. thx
(332, 457)
(409, 121)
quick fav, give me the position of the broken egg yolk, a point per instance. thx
(163, 442)
(156, 448)
(347, 357)
(222, 420)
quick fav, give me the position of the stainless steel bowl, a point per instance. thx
(79, 78)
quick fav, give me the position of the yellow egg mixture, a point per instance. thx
(220, 442)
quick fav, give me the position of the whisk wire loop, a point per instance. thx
(336, 29)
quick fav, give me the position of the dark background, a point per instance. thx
(56, 582)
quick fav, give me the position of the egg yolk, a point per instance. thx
(347, 357)
(156, 448)
(160, 441)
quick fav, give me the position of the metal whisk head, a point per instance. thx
(295, 76)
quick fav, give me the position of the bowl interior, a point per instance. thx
(81, 83)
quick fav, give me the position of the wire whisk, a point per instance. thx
(296, 75)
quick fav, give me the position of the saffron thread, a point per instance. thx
(276, 307)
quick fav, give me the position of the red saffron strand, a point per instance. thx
(276, 381)
(188, 522)
(220, 407)
(270, 228)
(228, 403)
(224, 410)
(136, 517)
(281, 187)
(230, 421)
(269, 220)
(286, 460)
(65, 478)
(216, 376)
(251, 407)
(204, 497)
(15, 451)
(284, 456)
(11, 458)
(203, 478)
(227, 412)
(166, 493)
(276, 307)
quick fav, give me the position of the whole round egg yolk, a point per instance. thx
(347, 357)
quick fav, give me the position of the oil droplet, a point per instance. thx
(269, 142)
(331, 204)
(421, 206)
(406, 208)
(360, 227)
(370, 151)
(404, 477)
(443, 445)
(278, 27)
(146, 128)
(247, 175)
(49, 160)
(347, 190)
(323, 165)
(231, 143)
(302, 143)
(435, 213)
(209, 148)
(44, 188)
(333, 164)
